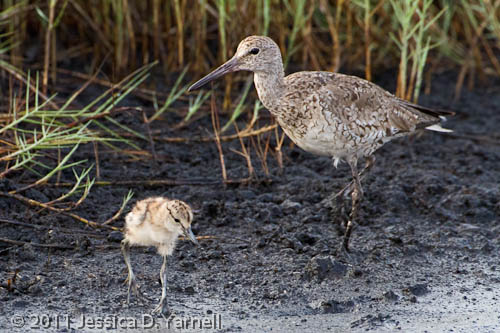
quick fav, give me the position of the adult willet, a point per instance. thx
(326, 113)
(156, 222)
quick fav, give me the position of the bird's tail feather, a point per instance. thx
(438, 113)
(438, 128)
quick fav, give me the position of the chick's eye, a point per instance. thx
(177, 220)
(254, 51)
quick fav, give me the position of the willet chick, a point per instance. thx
(156, 222)
(326, 113)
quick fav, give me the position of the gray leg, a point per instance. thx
(132, 285)
(356, 195)
(160, 308)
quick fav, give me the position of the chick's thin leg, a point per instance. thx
(132, 285)
(162, 306)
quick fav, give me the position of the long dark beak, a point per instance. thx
(229, 66)
(188, 233)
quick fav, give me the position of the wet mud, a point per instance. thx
(425, 253)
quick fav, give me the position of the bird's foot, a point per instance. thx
(344, 254)
(162, 308)
(352, 257)
(133, 287)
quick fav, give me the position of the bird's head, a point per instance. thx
(179, 219)
(255, 54)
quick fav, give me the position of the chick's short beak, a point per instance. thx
(188, 233)
(229, 66)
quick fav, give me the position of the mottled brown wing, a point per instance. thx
(367, 108)
(367, 111)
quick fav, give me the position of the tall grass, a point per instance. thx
(414, 43)
(204, 33)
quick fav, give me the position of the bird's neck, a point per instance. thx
(270, 87)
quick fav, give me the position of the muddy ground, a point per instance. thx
(425, 255)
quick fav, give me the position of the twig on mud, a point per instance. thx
(243, 134)
(262, 153)
(117, 246)
(107, 246)
(35, 203)
(63, 230)
(235, 238)
(7, 249)
(216, 126)
(96, 156)
(102, 115)
(244, 153)
(219, 238)
(162, 182)
(150, 136)
(198, 238)
(21, 243)
(480, 138)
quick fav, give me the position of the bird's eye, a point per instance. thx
(254, 51)
(177, 220)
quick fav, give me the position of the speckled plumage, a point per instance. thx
(156, 221)
(327, 113)
(151, 223)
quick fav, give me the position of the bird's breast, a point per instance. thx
(315, 139)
